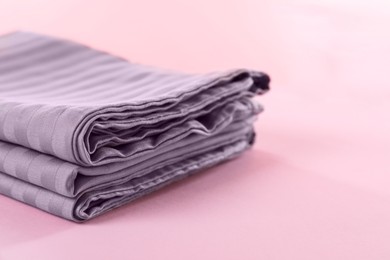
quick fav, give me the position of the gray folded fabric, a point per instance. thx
(83, 132)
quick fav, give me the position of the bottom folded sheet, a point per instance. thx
(99, 199)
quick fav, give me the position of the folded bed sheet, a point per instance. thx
(83, 131)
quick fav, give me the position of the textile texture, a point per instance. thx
(83, 131)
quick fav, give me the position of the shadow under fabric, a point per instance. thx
(83, 132)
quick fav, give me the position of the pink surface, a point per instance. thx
(316, 184)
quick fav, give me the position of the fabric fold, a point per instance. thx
(83, 131)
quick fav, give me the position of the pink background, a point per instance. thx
(316, 184)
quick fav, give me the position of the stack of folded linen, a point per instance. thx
(83, 132)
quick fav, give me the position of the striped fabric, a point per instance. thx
(83, 132)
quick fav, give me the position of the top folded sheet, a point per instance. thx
(91, 108)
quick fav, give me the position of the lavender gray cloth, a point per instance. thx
(82, 131)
